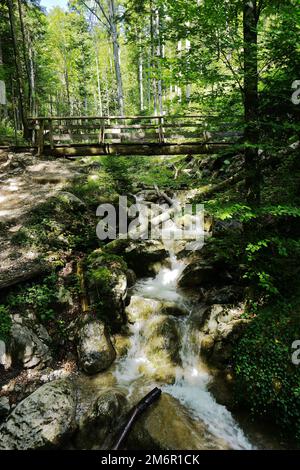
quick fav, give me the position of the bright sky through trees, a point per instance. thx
(54, 3)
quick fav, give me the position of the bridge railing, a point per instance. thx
(60, 131)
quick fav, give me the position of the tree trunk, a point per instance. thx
(18, 65)
(141, 77)
(100, 107)
(116, 52)
(251, 103)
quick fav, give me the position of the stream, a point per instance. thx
(136, 371)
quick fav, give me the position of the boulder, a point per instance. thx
(106, 285)
(162, 345)
(95, 350)
(141, 308)
(199, 273)
(166, 425)
(27, 348)
(98, 424)
(140, 255)
(43, 420)
(222, 327)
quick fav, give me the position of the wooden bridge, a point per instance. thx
(131, 135)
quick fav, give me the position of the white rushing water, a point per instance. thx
(192, 377)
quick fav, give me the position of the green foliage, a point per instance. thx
(5, 322)
(266, 379)
(41, 298)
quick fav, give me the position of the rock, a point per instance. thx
(43, 420)
(4, 407)
(207, 345)
(121, 344)
(172, 308)
(95, 350)
(139, 254)
(162, 344)
(141, 308)
(223, 295)
(70, 199)
(166, 425)
(131, 277)
(27, 349)
(106, 281)
(98, 424)
(196, 274)
(222, 327)
(221, 227)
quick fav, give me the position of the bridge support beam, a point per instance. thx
(150, 149)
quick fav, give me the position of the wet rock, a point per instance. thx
(162, 345)
(222, 328)
(43, 420)
(98, 424)
(197, 274)
(121, 344)
(27, 348)
(131, 277)
(166, 425)
(140, 255)
(141, 308)
(95, 350)
(174, 309)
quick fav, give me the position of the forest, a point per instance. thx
(188, 111)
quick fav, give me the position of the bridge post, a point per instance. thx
(102, 132)
(40, 142)
(51, 140)
(160, 130)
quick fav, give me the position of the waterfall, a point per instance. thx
(192, 377)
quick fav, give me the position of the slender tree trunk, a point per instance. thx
(153, 65)
(99, 92)
(116, 52)
(32, 104)
(251, 103)
(25, 57)
(159, 54)
(18, 65)
(3, 108)
(141, 78)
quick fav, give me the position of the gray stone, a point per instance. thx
(43, 420)
(95, 350)
(27, 349)
(222, 327)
